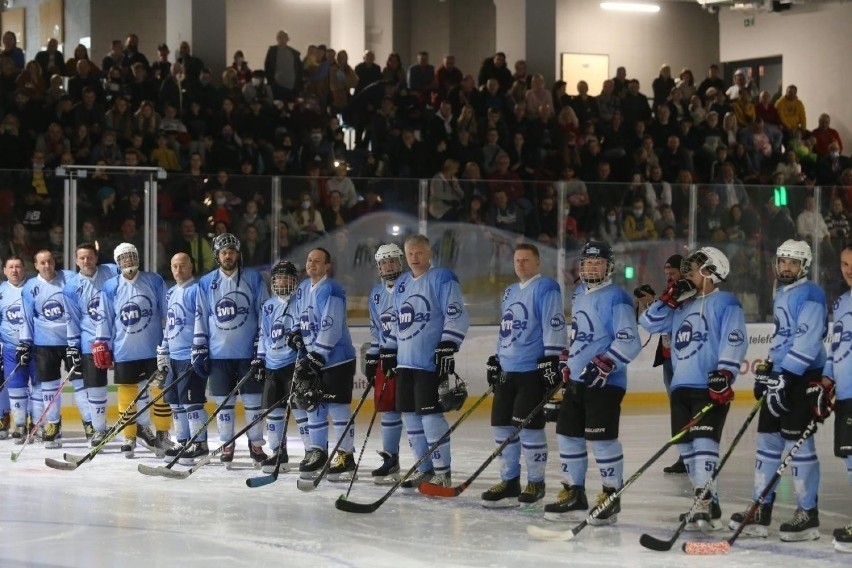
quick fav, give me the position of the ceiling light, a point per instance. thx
(630, 7)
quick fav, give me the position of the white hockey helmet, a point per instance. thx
(709, 259)
(127, 258)
(389, 252)
(795, 250)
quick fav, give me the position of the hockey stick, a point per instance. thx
(311, 484)
(262, 480)
(43, 416)
(160, 470)
(73, 461)
(351, 507)
(653, 543)
(367, 437)
(433, 490)
(722, 547)
(175, 474)
(545, 534)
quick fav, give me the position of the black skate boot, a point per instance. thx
(52, 436)
(129, 448)
(19, 434)
(314, 461)
(258, 456)
(803, 526)
(174, 451)
(269, 464)
(88, 429)
(609, 515)
(843, 539)
(414, 480)
(343, 467)
(533, 492)
(196, 451)
(677, 468)
(227, 455)
(503, 495)
(148, 440)
(570, 501)
(388, 472)
(758, 525)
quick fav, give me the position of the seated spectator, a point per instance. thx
(790, 169)
(678, 106)
(837, 223)
(791, 110)
(608, 101)
(711, 222)
(639, 189)
(108, 150)
(253, 216)
(505, 215)
(744, 109)
(464, 149)
(445, 193)
(744, 167)
(810, 225)
(537, 97)
(472, 183)
(474, 213)
(674, 158)
(334, 215)
(522, 159)
(662, 126)
(666, 220)
(697, 110)
(20, 243)
(766, 111)
(285, 243)
(742, 224)
(195, 245)
(729, 128)
(342, 184)
(308, 219)
(761, 141)
(830, 167)
(638, 226)
(825, 135)
(132, 208)
(662, 190)
(410, 158)
(258, 88)
(371, 202)
(729, 188)
(164, 157)
(779, 227)
(490, 150)
(253, 250)
(495, 68)
(52, 144)
(542, 223)
(503, 179)
(611, 227)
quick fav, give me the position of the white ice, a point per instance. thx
(106, 514)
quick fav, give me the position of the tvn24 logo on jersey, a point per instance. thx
(14, 314)
(414, 314)
(691, 336)
(136, 314)
(580, 340)
(513, 324)
(93, 309)
(53, 309)
(176, 321)
(232, 311)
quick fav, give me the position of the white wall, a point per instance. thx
(815, 43)
(681, 34)
(511, 29)
(379, 30)
(115, 19)
(347, 28)
(252, 26)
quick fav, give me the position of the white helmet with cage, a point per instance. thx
(795, 250)
(709, 259)
(127, 258)
(389, 252)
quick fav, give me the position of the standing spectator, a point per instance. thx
(192, 66)
(729, 188)
(713, 80)
(495, 68)
(283, 66)
(132, 55)
(585, 106)
(791, 111)
(51, 60)
(608, 102)
(445, 193)
(421, 76)
(162, 67)
(825, 135)
(342, 79)
(810, 226)
(114, 58)
(241, 70)
(663, 85)
(12, 51)
(393, 70)
(620, 82)
(368, 71)
(505, 215)
(447, 76)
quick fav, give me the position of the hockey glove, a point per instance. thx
(644, 289)
(678, 292)
(315, 362)
(776, 394)
(820, 398)
(445, 363)
(72, 358)
(259, 374)
(719, 387)
(199, 357)
(761, 376)
(163, 359)
(295, 341)
(596, 371)
(23, 352)
(370, 367)
(101, 355)
(388, 359)
(493, 371)
(548, 371)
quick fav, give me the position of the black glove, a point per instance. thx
(445, 363)
(678, 292)
(776, 394)
(315, 362)
(640, 291)
(72, 358)
(596, 372)
(388, 358)
(548, 371)
(295, 341)
(259, 373)
(820, 398)
(23, 352)
(493, 371)
(761, 376)
(372, 364)
(719, 387)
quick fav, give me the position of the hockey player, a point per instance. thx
(43, 337)
(707, 326)
(838, 375)
(321, 337)
(83, 300)
(127, 336)
(431, 323)
(604, 339)
(525, 368)
(227, 310)
(18, 379)
(796, 358)
(278, 317)
(381, 360)
(187, 398)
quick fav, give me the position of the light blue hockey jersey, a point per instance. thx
(429, 309)
(45, 315)
(227, 311)
(533, 324)
(603, 323)
(11, 314)
(839, 363)
(180, 319)
(801, 323)
(322, 320)
(276, 319)
(708, 333)
(83, 301)
(134, 313)
(382, 319)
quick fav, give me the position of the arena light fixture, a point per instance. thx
(631, 7)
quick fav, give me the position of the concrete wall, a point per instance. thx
(813, 40)
(681, 34)
(114, 19)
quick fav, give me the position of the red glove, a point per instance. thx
(820, 396)
(719, 387)
(678, 292)
(101, 355)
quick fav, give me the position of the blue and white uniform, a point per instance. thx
(838, 367)
(17, 383)
(382, 329)
(133, 315)
(188, 398)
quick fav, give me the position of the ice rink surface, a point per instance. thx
(106, 514)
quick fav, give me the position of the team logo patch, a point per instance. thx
(387, 319)
(14, 314)
(691, 336)
(276, 334)
(306, 325)
(232, 311)
(802, 329)
(454, 310)
(176, 320)
(736, 337)
(53, 309)
(93, 308)
(557, 322)
(582, 332)
(326, 323)
(414, 314)
(625, 335)
(136, 314)
(841, 338)
(513, 323)
(400, 288)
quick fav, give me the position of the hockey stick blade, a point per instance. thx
(260, 481)
(539, 533)
(433, 490)
(58, 464)
(653, 543)
(74, 458)
(342, 504)
(161, 471)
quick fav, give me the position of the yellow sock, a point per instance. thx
(162, 412)
(126, 394)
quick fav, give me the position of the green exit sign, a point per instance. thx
(748, 22)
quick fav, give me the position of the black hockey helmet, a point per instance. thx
(452, 397)
(596, 250)
(284, 278)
